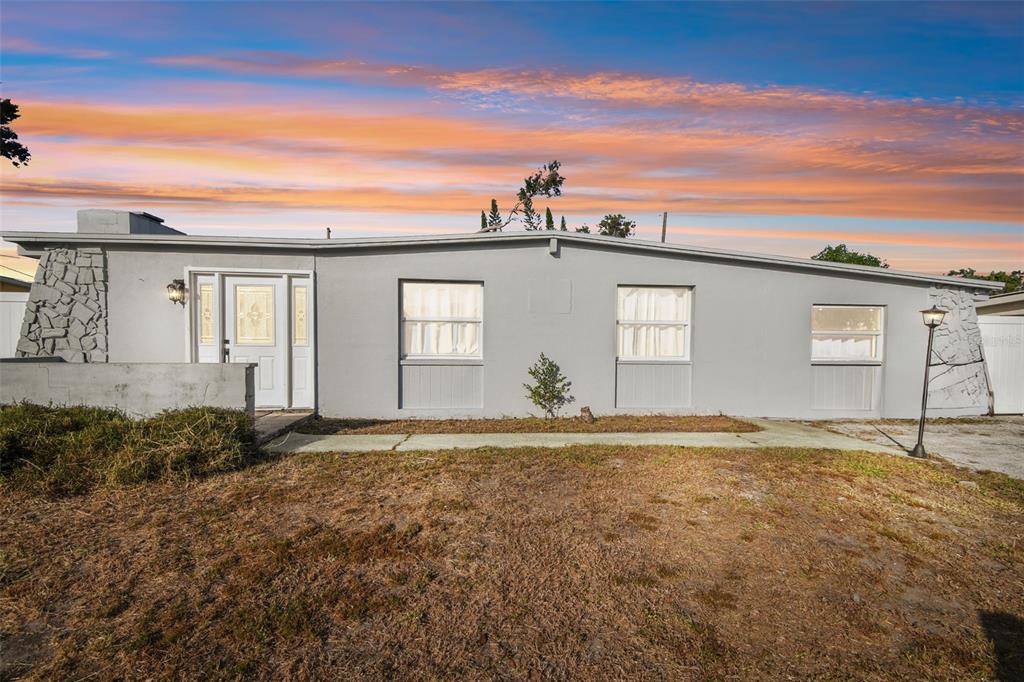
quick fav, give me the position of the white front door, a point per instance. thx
(256, 330)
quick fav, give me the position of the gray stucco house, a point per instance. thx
(438, 326)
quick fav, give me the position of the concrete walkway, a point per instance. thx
(270, 423)
(775, 434)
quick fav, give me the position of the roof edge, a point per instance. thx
(41, 239)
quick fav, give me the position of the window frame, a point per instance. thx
(687, 326)
(403, 358)
(878, 335)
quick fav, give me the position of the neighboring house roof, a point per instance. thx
(1003, 304)
(32, 242)
(17, 268)
(16, 283)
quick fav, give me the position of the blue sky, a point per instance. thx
(777, 127)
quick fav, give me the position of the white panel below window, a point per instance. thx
(434, 386)
(653, 386)
(842, 387)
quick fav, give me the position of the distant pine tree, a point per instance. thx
(549, 220)
(494, 218)
(564, 228)
(531, 219)
(483, 220)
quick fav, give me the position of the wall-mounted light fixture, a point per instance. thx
(176, 291)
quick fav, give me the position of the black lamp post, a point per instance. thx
(932, 319)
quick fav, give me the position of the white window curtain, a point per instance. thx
(653, 323)
(846, 333)
(441, 319)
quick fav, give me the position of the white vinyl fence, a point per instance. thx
(1003, 339)
(12, 312)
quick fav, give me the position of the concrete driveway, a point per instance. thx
(979, 443)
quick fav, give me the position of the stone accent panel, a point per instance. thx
(958, 378)
(66, 313)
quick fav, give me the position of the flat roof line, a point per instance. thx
(41, 239)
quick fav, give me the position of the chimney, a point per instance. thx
(107, 221)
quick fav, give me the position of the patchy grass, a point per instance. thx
(607, 424)
(576, 563)
(59, 451)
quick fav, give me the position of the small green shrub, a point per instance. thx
(551, 390)
(60, 451)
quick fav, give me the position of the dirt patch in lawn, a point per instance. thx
(609, 424)
(576, 563)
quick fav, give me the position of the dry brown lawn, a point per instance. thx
(575, 563)
(607, 424)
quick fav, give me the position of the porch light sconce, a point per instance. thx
(932, 318)
(176, 291)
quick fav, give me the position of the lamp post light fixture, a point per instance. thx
(932, 318)
(176, 291)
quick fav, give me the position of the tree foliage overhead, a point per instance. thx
(547, 181)
(1012, 281)
(616, 225)
(10, 148)
(841, 254)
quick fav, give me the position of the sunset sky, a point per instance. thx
(897, 128)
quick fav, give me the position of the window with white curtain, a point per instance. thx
(846, 333)
(441, 319)
(654, 323)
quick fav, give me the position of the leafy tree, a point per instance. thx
(551, 390)
(564, 228)
(545, 182)
(841, 254)
(1012, 281)
(616, 225)
(584, 228)
(531, 219)
(10, 148)
(494, 217)
(549, 220)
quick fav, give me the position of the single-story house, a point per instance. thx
(1003, 304)
(447, 325)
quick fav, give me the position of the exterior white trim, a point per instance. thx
(288, 276)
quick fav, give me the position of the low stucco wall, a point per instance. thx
(140, 389)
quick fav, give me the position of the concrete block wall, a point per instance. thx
(139, 389)
(66, 313)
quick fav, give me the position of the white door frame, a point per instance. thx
(287, 276)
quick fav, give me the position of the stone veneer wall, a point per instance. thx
(958, 378)
(66, 313)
